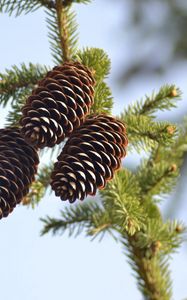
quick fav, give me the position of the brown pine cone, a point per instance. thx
(18, 166)
(58, 105)
(89, 158)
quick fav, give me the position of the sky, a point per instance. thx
(34, 267)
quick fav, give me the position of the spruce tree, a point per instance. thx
(127, 207)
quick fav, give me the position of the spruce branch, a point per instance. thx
(54, 36)
(168, 237)
(165, 99)
(146, 134)
(103, 100)
(39, 187)
(128, 202)
(15, 80)
(121, 200)
(18, 7)
(100, 229)
(62, 32)
(175, 152)
(150, 244)
(75, 219)
(14, 114)
(44, 174)
(67, 30)
(63, 29)
(158, 178)
(95, 59)
(36, 193)
(158, 174)
(152, 273)
(101, 223)
(148, 253)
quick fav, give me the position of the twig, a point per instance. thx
(63, 28)
(154, 283)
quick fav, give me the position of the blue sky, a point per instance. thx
(34, 267)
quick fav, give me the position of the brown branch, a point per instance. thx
(96, 231)
(63, 29)
(13, 87)
(154, 283)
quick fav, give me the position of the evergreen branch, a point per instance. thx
(165, 237)
(165, 99)
(100, 224)
(149, 243)
(103, 100)
(152, 273)
(54, 36)
(148, 252)
(15, 80)
(99, 229)
(39, 186)
(36, 193)
(175, 153)
(75, 219)
(63, 29)
(99, 63)
(121, 200)
(62, 32)
(14, 113)
(44, 174)
(24, 6)
(144, 133)
(95, 59)
(158, 175)
(128, 201)
(158, 179)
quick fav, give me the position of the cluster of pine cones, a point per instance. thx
(58, 109)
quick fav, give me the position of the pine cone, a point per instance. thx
(58, 105)
(89, 158)
(18, 166)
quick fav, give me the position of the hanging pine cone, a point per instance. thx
(58, 105)
(89, 158)
(18, 166)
